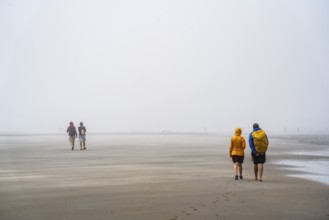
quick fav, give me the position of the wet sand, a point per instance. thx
(138, 177)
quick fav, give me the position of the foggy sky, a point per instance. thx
(184, 66)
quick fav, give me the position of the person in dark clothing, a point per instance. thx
(258, 143)
(72, 132)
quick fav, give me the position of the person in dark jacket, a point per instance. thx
(72, 132)
(258, 143)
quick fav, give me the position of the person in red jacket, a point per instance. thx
(238, 144)
(72, 132)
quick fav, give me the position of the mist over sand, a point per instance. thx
(159, 176)
(143, 71)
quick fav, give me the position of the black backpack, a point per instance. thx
(72, 131)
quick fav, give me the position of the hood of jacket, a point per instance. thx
(238, 131)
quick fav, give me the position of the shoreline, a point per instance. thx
(166, 177)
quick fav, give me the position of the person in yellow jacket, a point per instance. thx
(238, 144)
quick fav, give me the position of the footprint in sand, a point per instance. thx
(219, 216)
(186, 213)
(216, 201)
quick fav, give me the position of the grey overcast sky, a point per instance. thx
(175, 65)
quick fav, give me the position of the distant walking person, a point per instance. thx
(238, 144)
(82, 136)
(72, 131)
(258, 143)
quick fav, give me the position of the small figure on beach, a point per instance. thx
(72, 131)
(258, 143)
(82, 136)
(238, 144)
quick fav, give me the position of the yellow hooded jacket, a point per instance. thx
(238, 144)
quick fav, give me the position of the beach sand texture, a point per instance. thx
(149, 176)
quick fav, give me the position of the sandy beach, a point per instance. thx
(151, 176)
